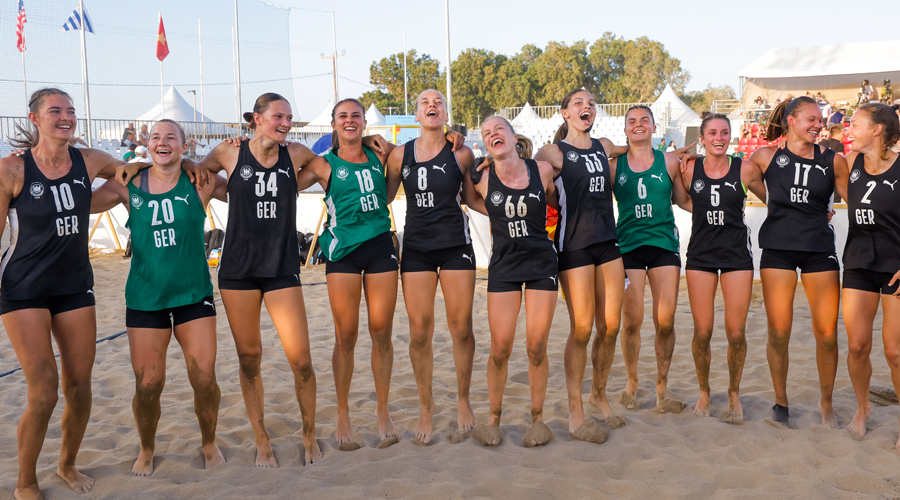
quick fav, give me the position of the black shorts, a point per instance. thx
(717, 270)
(263, 284)
(55, 303)
(374, 256)
(870, 281)
(808, 262)
(649, 257)
(461, 258)
(167, 318)
(593, 255)
(549, 284)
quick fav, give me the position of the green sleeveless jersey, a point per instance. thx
(356, 200)
(645, 206)
(168, 267)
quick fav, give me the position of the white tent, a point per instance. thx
(324, 118)
(834, 70)
(374, 117)
(177, 108)
(525, 116)
(681, 115)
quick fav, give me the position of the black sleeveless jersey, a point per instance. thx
(521, 249)
(434, 216)
(719, 236)
(800, 193)
(585, 198)
(49, 223)
(261, 237)
(873, 241)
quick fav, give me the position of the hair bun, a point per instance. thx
(248, 117)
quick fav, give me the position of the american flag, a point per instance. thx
(20, 27)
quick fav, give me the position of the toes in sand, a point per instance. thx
(591, 432)
(143, 466)
(265, 457)
(613, 420)
(732, 417)
(79, 482)
(313, 452)
(669, 405)
(457, 437)
(627, 400)
(388, 441)
(488, 435)
(212, 456)
(538, 434)
(349, 446)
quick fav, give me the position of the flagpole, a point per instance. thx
(200, 40)
(162, 88)
(84, 76)
(25, 79)
(237, 59)
(237, 104)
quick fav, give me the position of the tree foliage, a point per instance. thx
(423, 72)
(702, 100)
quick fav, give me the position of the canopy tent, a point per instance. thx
(374, 117)
(324, 118)
(526, 115)
(177, 108)
(681, 116)
(835, 70)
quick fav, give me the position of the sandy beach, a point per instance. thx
(653, 455)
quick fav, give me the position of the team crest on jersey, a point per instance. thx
(246, 172)
(699, 185)
(36, 189)
(623, 178)
(343, 173)
(405, 171)
(782, 160)
(572, 156)
(496, 198)
(854, 176)
(136, 201)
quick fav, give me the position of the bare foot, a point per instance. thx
(342, 429)
(537, 435)
(388, 441)
(313, 452)
(627, 399)
(265, 456)
(386, 425)
(828, 418)
(456, 437)
(669, 405)
(487, 434)
(611, 419)
(143, 466)
(735, 413)
(29, 493)
(212, 455)
(591, 432)
(857, 428)
(79, 482)
(466, 418)
(423, 428)
(702, 407)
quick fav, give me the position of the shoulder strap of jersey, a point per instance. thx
(409, 153)
(699, 171)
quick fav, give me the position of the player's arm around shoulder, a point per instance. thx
(551, 154)
(547, 176)
(680, 194)
(393, 176)
(300, 155)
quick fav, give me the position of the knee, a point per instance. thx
(500, 354)
(736, 337)
(861, 350)
(702, 335)
(828, 341)
(148, 390)
(381, 340)
(779, 339)
(303, 369)
(204, 383)
(419, 325)
(537, 352)
(666, 328)
(250, 361)
(345, 342)
(419, 341)
(893, 357)
(43, 399)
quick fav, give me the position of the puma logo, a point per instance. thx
(554, 279)
(732, 185)
(393, 256)
(441, 168)
(208, 303)
(468, 258)
(823, 169)
(891, 184)
(285, 172)
(90, 292)
(179, 198)
(376, 168)
(535, 196)
(76, 181)
(833, 257)
(657, 176)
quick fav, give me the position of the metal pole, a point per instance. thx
(25, 80)
(195, 104)
(237, 104)
(237, 59)
(405, 79)
(449, 89)
(334, 58)
(162, 87)
(200, 41)
(84, 77)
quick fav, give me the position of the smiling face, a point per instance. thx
(580, 111)
(431, 111)
(862, 132)
(275, 121)
(55, 118)
(166, 144)
(499, 137)
(639, 126)
(349, 121)
(806, 123)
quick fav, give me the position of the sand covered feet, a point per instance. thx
(591, 432)
(212, 455)
(265, 456)
(734, 415)
(780, 416)
(669, 405)
(386, 430)
(611, 419)
(828, 418)
(313, 452)
(701, 409)
(424, 427)
(538, 434)
(143, 466)
(857, 428)
(488, 434)
(30, 493)
(343, 435)
(466, 419)
(628, 400)
(80, 483)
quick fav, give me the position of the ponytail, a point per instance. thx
(778, 124)
(561, 132)
(260, 107)
(524, 146)
(30, 133)
(884, 115)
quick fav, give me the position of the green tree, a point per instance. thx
(633, 70)
(702, 100)
(477, 77)
(383, 101)
(558, 70)
(423, 72)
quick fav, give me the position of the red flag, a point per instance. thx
(162, 46)
(20, 27)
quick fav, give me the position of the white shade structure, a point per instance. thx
(324, 118)
(177, 108)
(525, 116)
(681, 116)
(374, 117)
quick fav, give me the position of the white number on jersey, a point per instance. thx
(520, 208)
(714, 195)
(262, 186)
(423, 179)
(806, 169)
(641, 188)
(366, 184)
(168, 212)
(64, 195)
(865, 199)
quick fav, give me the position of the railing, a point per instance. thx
(725, 106)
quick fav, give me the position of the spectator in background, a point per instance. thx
(662, 145)
(192, 144)
(837, 116)
(131, 152)
(865, 94)
(760, 103)
(129, 131)
(820, 98)
(836, 135)
(477, 151)
(789, 97)
(140, 155)
(671, 146)
(745, 131)
(887, 94)
(144, 137)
